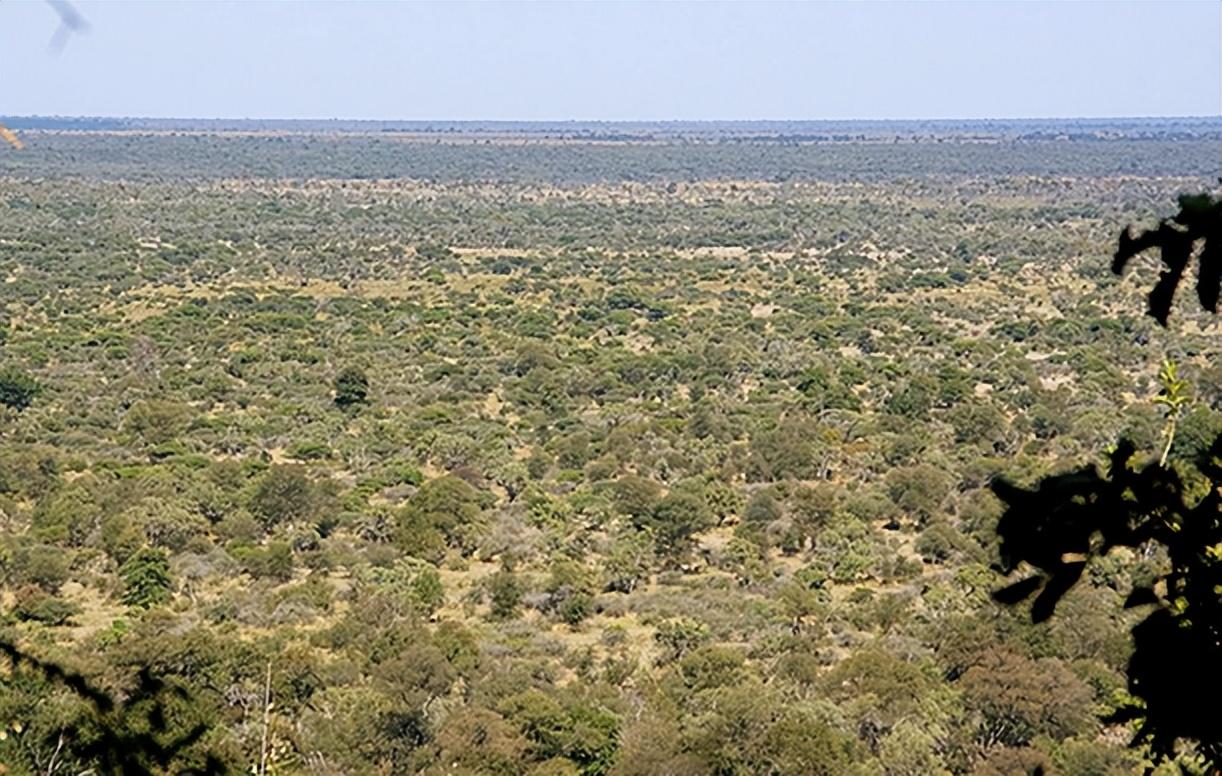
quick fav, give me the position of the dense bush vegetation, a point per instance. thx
(636, 460)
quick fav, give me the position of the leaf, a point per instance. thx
(1199, 220)
(1125, 714)
(1176, 249)
(1045, 603)
(1209, 277)
(1141, 596)
(1129, 246)
(1019, 591)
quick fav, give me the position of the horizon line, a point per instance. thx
(132, 117)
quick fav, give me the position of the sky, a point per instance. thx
(620, 60)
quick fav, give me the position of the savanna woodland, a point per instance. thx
(356, 448)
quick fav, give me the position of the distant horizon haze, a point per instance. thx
(629, 121)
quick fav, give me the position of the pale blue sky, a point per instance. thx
(616, 60)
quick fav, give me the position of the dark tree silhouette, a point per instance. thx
(1060, 525)
(351, 389)
(1199, 223)
(17, 389)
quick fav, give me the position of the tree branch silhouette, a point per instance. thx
(1197, 224)
(1065, 521)
(124, 737)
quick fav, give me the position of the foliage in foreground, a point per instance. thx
(1067, 521)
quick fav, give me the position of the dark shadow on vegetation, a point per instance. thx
(127, 736)
(1065, 521)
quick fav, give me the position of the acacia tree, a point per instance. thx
(1067, 520)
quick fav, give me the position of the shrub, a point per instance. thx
(34, 603)
(505, 593)
(285, 495)
(146, 579)
(17, 389)
(351, 389)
